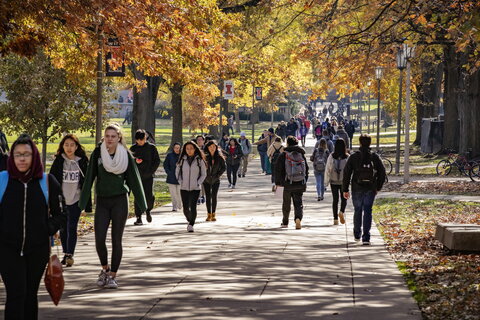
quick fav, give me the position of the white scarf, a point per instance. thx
(119, 163)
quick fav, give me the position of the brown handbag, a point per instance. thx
(54, 281)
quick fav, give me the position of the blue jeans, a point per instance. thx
(320, 178)
(362, 203)
(68, 236)
(263, 156)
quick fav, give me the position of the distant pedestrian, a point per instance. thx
(291, 172)
(234, 156)
(319, 162)
(292, 127)
(69, 168)
(341, 133)
(268, 140)
(31, 210)
(281, 130)
(3, 142)
(350, 129)
(366, 173)
(216, 166)
(303, 133)
(191, 171)
(230, 122)
(116, 172)
(273, 152)
(223, 143)
(148, 160)
(170, 165)
(334, 173)
(200, 141)
(246, 149)
(328, 139)
(262, 151)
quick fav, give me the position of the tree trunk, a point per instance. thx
(143, 112)
(237, 120)
(452, 74)
(469, 113)
(177, 116)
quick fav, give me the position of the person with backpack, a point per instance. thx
(341, 133)
(303, 133)
(191, 171)
(318, 131)
(246, 149)
(291, 128)
(281, 130)
(32, 209)
(268, 140)
(350, 129)
(262, 151)
(334, 176)
(327, 138)
(366, 173)
(234, 155)
(170, 165)
(223, 143)
(116, 172)
(291, 172)
(273, 152)
(148, 160)
(319, 160)
(215, 168)
(69, 168)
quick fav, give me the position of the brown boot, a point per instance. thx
(213, 217)
(209, 217)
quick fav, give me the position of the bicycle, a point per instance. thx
(464, 166)
(474, 172)
(386, 162)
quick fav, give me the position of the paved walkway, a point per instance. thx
(241, 267)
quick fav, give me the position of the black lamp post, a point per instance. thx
(378, 76)
(401, 64)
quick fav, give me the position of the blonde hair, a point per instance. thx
(118, 129)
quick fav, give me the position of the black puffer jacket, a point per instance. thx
(353, 164)
(234, 159)
(215, 171)
(39, 225)
(148, 154)
(57, 171)
(281, 174)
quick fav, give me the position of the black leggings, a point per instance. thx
(114, 209)
(337, 195)
(21, 276)
(189, 201)
(211, 192)
(147, 184)
(232, 169)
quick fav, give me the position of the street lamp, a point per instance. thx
(378, 76)
(401, 64)
(409, 53)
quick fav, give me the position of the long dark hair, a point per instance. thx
(80, 152)
(217, 155)
(198, 151)
(236, 142)
(340, 150)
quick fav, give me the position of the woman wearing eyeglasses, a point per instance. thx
(31, 210)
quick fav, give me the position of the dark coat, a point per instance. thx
(234, 159)
(291, 128)
(215, 170)
(353, 162)
(148, 153)
(39, 224)
(281, 175)
(170, 164)
(57, 171)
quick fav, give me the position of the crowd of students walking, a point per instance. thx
(194, 172)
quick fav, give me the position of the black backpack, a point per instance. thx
(276, 154)
(365, 171)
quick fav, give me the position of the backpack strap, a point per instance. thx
(3, 183)
(44, 186)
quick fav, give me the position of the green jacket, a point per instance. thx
(109, 184)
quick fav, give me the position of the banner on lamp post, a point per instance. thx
(258, 93)
(228, 90)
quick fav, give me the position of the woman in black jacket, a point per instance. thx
(25, 226)
(170, 164)
(234, 155)
(69, 168)
(215, 169)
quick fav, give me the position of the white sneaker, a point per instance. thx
(190, 228)
(102, 278)
(233, 186)
(111, 283)
(229, 185)
(284, 226)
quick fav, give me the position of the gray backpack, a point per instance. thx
(295, 167)
(336, 176)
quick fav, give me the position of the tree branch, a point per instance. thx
(241, 7)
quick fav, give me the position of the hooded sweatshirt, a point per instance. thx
(71, 180)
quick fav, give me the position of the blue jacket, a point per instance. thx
(170, 164)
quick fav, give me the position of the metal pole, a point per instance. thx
(271, 122)
(399, 124)
(378, 117)
(368, 118)
(253, 118)
(220, 129)
(406, 162)
(98, 120)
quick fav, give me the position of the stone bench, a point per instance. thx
(459, 237)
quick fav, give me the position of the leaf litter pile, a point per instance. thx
(465, 187)
(445, 285)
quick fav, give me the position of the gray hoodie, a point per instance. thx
(191, 177)
(71, 179)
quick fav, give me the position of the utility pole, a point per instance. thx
(99, 111)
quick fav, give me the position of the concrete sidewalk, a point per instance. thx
(241, 267)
